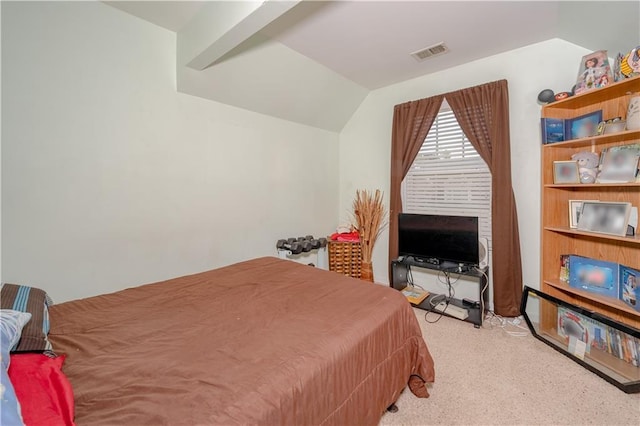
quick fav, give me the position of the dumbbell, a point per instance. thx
(315, 243)
(307, 238)
(308, 243)
(294, 247)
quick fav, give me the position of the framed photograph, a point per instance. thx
(604, 217)
(565, 172)
(594, 72)
(615, 125)
(620, 164)
(583, 126)
(575, 209)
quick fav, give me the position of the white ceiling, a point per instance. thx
(171, 15)
(369, 42)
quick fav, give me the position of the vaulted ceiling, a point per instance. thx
(313, 62)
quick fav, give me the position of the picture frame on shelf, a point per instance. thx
(615, 125)
(619, 164)
(565, 172)
(605, 217)
(575, 209)
(630, 287)
(594, 275)
(594, 72)
(583, 126)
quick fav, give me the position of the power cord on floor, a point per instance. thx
(435, 300)
(511, 326)
(410, 281)
(484, 288)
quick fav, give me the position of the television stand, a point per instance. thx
(429, 260)
(400, 272)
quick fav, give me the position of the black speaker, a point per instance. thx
(399, 278)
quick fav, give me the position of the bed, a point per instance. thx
(266, 341)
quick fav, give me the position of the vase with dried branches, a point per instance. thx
(370, 218)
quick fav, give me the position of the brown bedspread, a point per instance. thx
(266, 341)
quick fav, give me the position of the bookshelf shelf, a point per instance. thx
(607, 301)
(594, 141)
(616, 90)
(572, 231)
(615, 365)
(577, 186)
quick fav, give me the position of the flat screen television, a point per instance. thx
(446, 238)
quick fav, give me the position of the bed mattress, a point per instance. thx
(266, 341)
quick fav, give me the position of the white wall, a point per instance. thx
(110, 178)
(365, 143)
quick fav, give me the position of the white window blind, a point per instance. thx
(449, 177)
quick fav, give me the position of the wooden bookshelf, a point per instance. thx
(557, 238)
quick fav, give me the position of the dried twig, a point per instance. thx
(369, 214)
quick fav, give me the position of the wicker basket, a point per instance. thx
(345, 258)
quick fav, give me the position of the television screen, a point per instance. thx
(446, 238)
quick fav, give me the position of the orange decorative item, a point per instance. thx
(366, 271)
(369, 214)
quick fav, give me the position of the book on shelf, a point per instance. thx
(630, 287)
(415, 295)
(564, 268)
(594, 334)
(593, 275)
(552, 130)
(619, 164)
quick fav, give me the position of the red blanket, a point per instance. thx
(44, 392)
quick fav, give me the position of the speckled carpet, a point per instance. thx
(489, 377)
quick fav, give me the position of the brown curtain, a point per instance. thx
(411, 123)
(483, 114)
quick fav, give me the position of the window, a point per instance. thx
(448, 176)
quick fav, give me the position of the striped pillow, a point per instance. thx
(36, 302)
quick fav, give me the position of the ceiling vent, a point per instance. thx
(428, 52)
